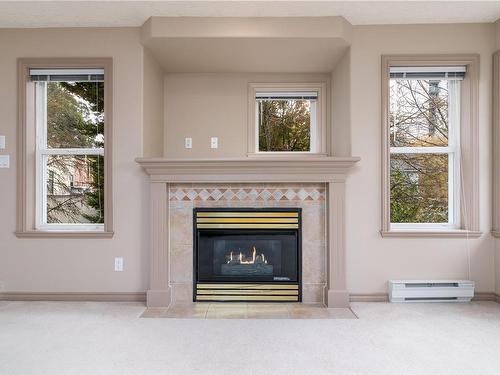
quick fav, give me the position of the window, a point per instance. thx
(66, 116)
(424, 125)
(428, 152)
(286, 119)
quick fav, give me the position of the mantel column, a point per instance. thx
(158, 294)
(336, 293)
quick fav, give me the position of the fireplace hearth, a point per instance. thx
(247, 254)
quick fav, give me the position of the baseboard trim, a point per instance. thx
(141, 297)
(369, 297)
(83, 297)
(484, 296)
(384, 297)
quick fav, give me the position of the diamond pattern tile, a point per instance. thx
(247, 194)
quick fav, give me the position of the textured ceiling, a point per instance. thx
(113, 13)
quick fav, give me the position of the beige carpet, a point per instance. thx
(110, 338)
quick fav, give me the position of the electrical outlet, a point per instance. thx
(188, 142)
(119, 264)
(2, 142)
(4, 161)
(214, 142)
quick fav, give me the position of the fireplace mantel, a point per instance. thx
(329, 170)
(252, 169)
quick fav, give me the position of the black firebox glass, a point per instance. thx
(247, 256)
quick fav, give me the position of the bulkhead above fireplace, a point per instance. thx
(247, 254)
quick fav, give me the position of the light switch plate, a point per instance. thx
(2, 142)
(214, 142)
(188, 142)
(4, 161)
(119, 264)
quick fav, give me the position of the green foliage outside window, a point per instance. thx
(284, 125)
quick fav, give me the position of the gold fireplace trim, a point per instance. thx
(247, 226)
(247, 292)
(247, 220)
(247, 286)
(247, 214)
(248, 298)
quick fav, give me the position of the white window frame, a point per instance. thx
(42, 152)
(467, 146)
(453, 152)
(318, 130)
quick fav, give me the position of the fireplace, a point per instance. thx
(247, 254)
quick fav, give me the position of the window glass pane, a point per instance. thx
(418, 112)
(419, 188)
(75, 114)
(285, 125)
(75, 188)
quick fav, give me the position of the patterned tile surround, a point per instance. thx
(310, 197)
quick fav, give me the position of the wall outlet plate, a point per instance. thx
(2, 142)
(214, 142)
(4, 161)
(118, 264)
(188, 142)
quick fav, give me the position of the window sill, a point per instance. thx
(417, 233)
(63, 234)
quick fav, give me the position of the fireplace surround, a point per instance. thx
(163, 173)
(247, 254)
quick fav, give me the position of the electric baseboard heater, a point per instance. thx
(431, 290)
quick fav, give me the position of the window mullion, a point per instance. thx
(74, 151)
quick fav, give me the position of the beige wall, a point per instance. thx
(205, 105)
(79, 265)
(152, 100)
(372, 260)
(201, 106)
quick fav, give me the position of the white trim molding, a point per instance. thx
(469, 146)
(330, 170)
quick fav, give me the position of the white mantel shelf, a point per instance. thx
(251, 169)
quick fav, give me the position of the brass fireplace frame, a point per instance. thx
(248, 218)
